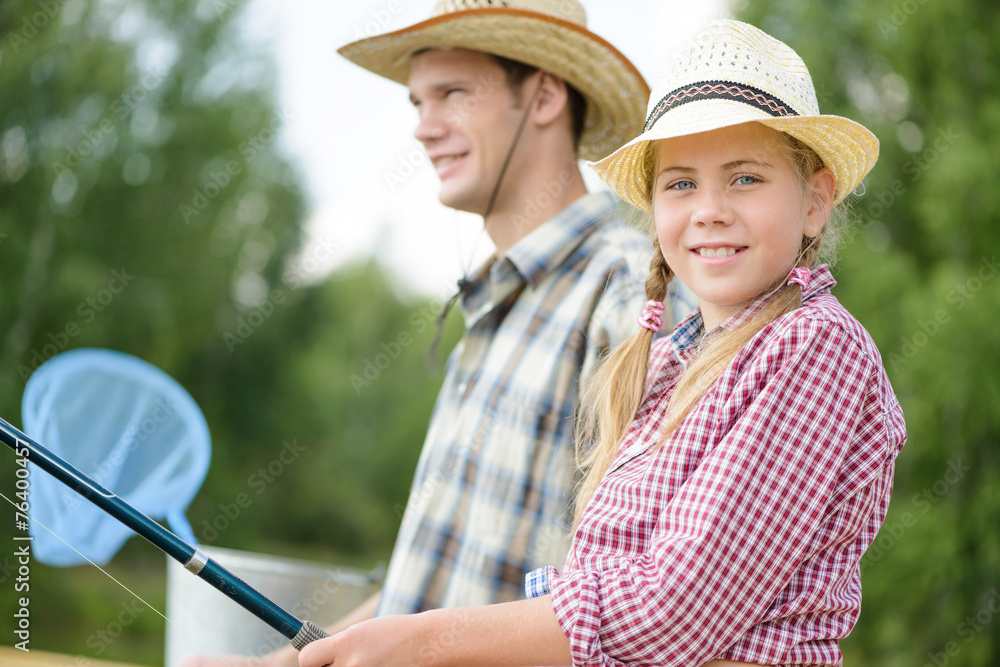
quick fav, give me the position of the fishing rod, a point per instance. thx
(193, 559)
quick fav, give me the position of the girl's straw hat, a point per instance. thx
(548, 34)
(734, 73)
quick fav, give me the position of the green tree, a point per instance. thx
(922, 275)
(144, 208)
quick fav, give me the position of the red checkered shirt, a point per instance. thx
(741, 537)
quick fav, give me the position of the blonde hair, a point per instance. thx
(612, 398)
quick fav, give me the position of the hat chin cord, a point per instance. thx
(463, 283)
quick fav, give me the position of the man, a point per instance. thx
(509, 98)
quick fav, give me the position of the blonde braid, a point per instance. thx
(660, 275)
(612, 398)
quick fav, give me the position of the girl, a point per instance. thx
(742, 465)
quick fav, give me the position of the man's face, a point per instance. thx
(468, 118)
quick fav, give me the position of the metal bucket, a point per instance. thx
(205, 621)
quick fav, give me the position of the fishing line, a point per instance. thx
(105, 572)
(133, 593)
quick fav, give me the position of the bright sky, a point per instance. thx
(348, 128)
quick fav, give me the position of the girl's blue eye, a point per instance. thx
(746, 180)
(681, 185)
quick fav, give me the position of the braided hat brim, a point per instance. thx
(615, 91)
(846, 147)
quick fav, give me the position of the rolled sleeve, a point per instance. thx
(537, 582)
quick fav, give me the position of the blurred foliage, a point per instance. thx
(922, 275)
(144, 207)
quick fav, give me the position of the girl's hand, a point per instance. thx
(386, 641)
(511, 633)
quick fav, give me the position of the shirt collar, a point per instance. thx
(688, 335)
(536, 255)
(545, 248)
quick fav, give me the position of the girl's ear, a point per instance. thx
(824, 185)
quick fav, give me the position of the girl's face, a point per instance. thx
(730, 213)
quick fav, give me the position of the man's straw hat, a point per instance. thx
(549, 34)
(734, 73)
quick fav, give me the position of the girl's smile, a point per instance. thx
(731, 214)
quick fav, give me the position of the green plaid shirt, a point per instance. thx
(491, 499)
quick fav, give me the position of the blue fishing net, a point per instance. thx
(131, 428)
